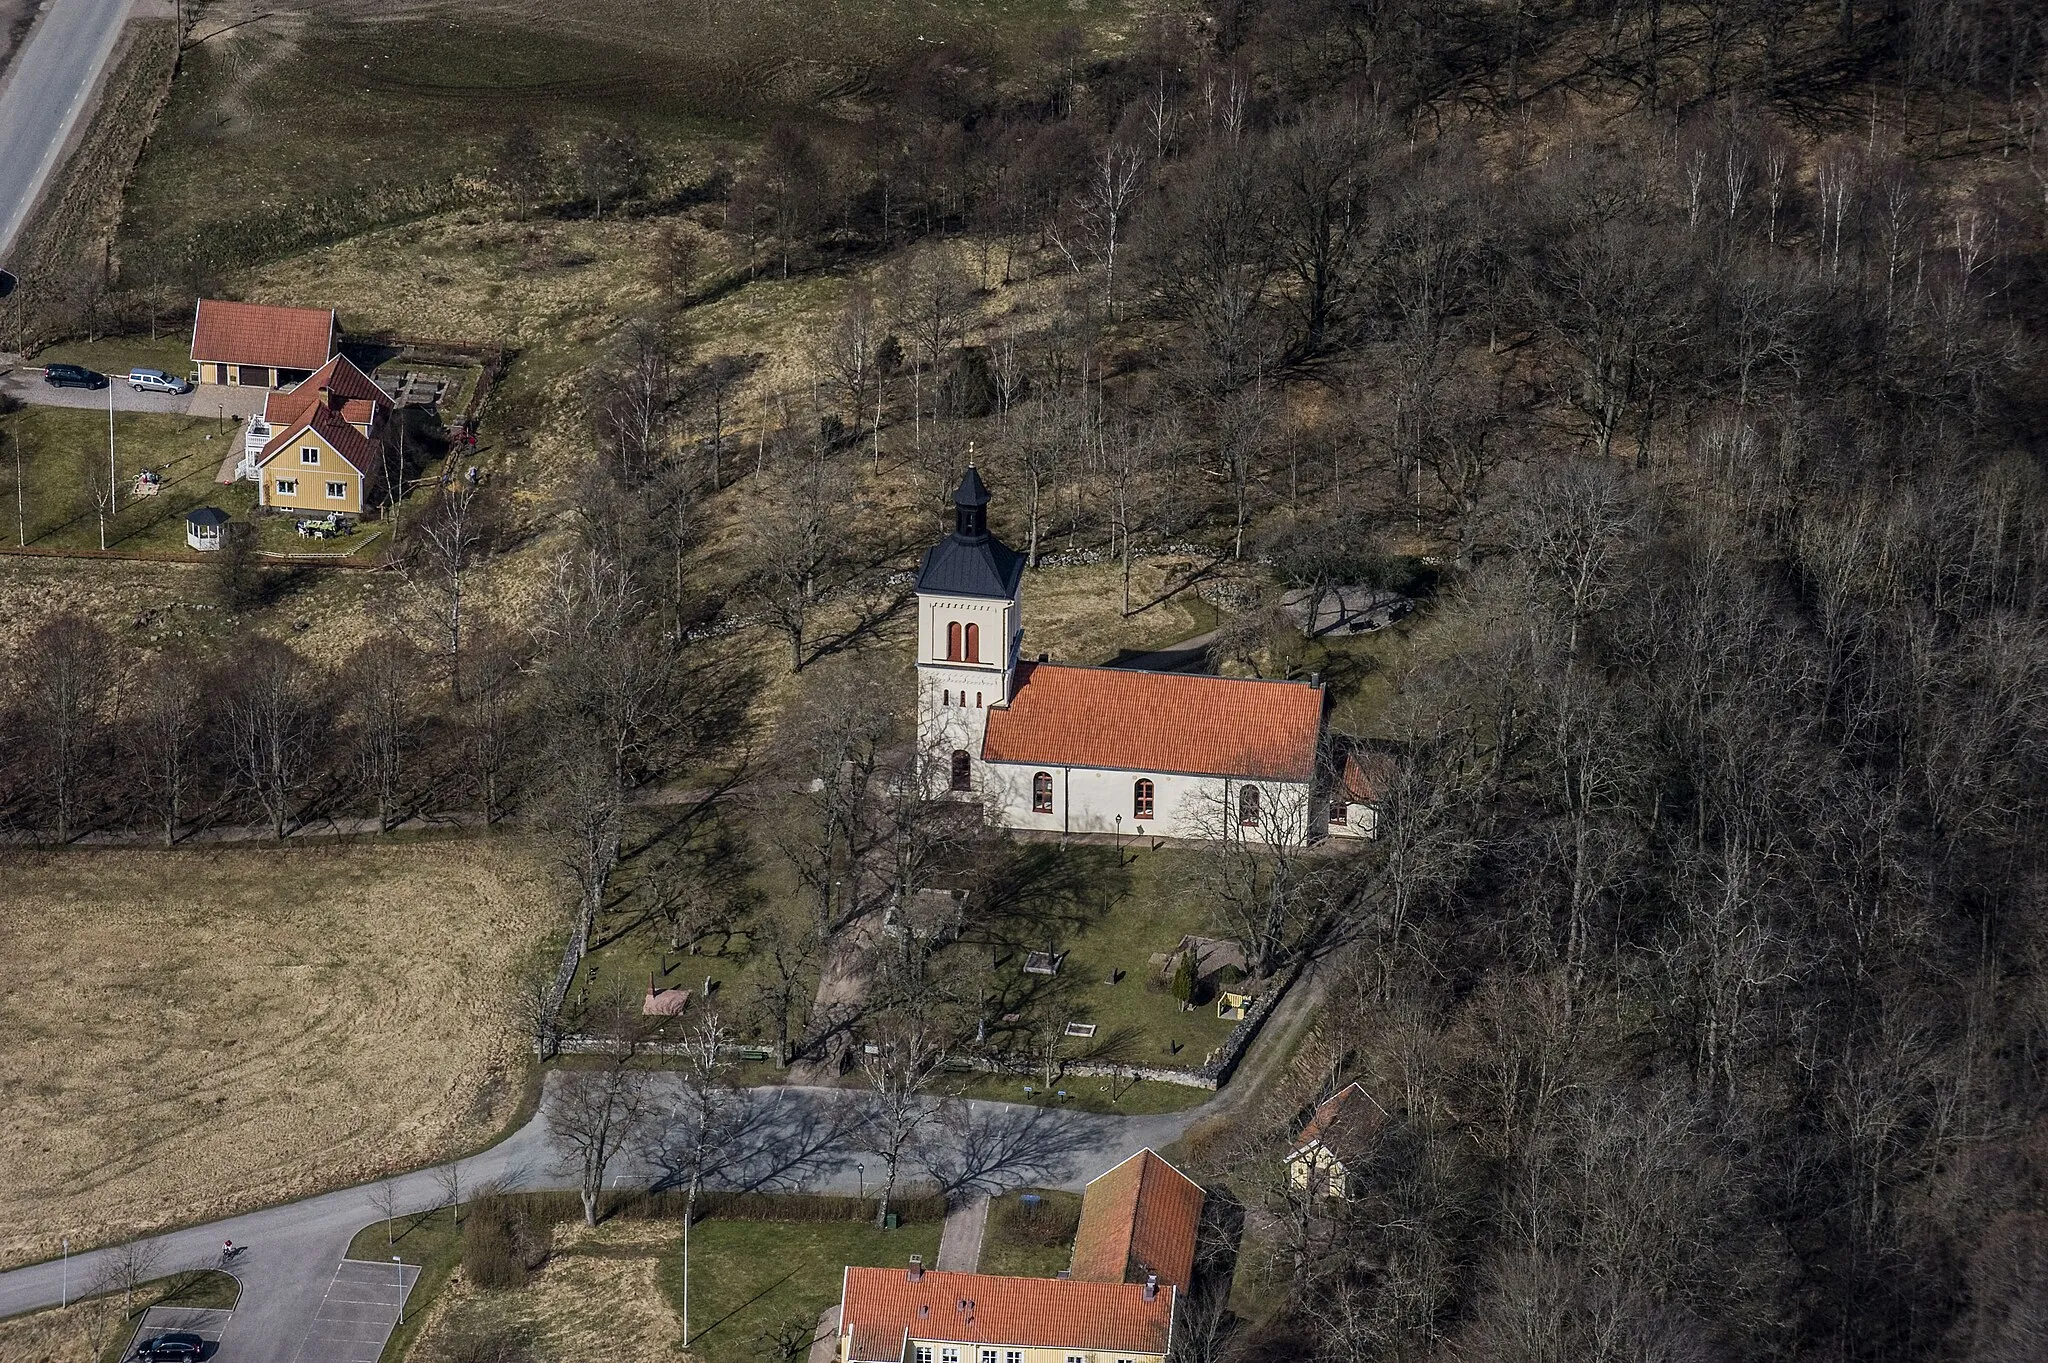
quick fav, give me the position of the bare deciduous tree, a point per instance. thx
(596, 1114)
(900, 1105)
(273, 718)
(451, 534)
(60, 691)
(163, 735)
(380, 682)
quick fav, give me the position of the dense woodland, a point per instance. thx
(1701, 962)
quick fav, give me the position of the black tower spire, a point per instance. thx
(970, 507)
(971, 561)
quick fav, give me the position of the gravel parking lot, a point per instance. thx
(26, 383)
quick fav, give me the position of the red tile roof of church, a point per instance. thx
(250, 333)
(881, 1305)
(1157, 721)
(1368, 777)
(1137, 1219)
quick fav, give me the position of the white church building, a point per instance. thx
(1064, 749)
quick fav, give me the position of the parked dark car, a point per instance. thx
(176, 1347)
(73, 376)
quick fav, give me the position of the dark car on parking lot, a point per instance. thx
(73, 376)
(176, 1347)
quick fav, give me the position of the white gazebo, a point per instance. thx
(205, 526)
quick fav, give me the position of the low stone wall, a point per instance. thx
(590, 1045)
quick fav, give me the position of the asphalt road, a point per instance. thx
(292, 1250)
(46, 91)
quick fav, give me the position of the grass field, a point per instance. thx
(616, 1291)
(1030, 1240)
(102, 1326)
(64, 457)
(631, 946)
(1084, 1093)
(1161, 903)
(301, 123)
(749, 1277)
(194, 1033)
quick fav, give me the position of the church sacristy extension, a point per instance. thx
(1060, 748)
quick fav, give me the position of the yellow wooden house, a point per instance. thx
(325, 450)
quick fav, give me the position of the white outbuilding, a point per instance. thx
(204, 527)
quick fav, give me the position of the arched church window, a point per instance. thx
(953, 642)
(974, 643)
(1141, 800)
(1041, 793)
(963, 770)
(949, 699)
(1248, 807)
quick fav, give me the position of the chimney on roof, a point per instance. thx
(1151, 1287)
(326, 396)
(916, 1273)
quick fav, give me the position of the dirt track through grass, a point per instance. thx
(297, 123)
(194, 1033)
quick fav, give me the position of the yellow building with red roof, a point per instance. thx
(252, 345)
(320, 447)
(1134, 1258)
(1336, 1143)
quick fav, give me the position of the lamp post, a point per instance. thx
(64, 1276)
(399, 1264)
(860, 1174)
(1119, 839)
(112, 504)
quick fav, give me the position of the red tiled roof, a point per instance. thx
(350, 392)
(1157, 721)
(1137, 1219)
(350, 443)
(881, 1305)
(1367, 776)
(250, 333)
(1345, 1123)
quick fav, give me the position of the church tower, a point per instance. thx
(969, 628)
